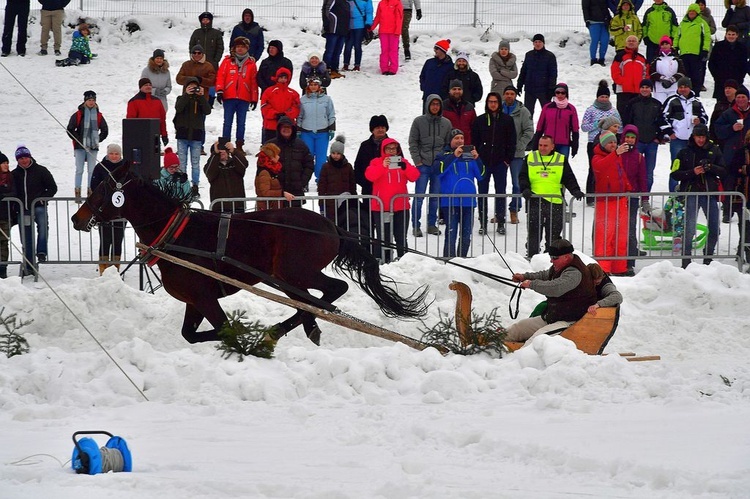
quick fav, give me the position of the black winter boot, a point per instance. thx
(3, 271)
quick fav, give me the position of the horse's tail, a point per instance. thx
(364, 269)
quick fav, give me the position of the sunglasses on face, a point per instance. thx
(559, 92)
(198, 53)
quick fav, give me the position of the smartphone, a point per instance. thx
(223, 142)
(468, 148)
(394, 162)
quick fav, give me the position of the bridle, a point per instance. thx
(113, 191)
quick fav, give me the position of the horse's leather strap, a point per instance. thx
(171, 231)
(223, 235)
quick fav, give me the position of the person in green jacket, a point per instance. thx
(693, 41)
(624, 24)
(659, 20)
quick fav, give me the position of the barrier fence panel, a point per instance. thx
(11, 237)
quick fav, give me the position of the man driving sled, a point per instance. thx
(569, 289)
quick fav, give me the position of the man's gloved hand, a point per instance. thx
(646, 207)
(220, 97)
(164, 140)
(574, 145)
(419, 14)
(253, 105)
(180, 177)
(526, 194)
(578, 195)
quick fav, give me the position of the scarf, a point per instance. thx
(265, 162)
(603, 106)
(90, 129)
(241, 59)
(561, 104)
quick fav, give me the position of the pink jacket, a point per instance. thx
(560, 124)
(389, 16)
(387, 182)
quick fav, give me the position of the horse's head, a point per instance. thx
(106, 201)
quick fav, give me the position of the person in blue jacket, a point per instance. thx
(459, 172)
(359, 22)
(434, 70)
(252, 31)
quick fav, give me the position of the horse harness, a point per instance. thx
(176, 225)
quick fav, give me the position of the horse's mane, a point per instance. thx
(173, 196)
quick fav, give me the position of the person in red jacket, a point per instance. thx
(611, 212)
(143, 105)
(459, 111)
(390, 18)
(389, 175)
(237, 87)
(629, 69)
(278, 100)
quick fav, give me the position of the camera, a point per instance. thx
(630, 147)
(196, 90)
(706, 164)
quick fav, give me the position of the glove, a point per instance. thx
(419, 14)
(279, 116)
(368, 27)
(704, 55)
(402, 164)
(588, 24)
(667, 82)
(578, 195)
(526, 194)
(220, 97)
(646, 207)
(611, 42)
(253, 105)
(331, 133)
(179, 177)
(574, 145)
(164, 140)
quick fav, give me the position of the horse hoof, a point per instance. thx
(314, 335)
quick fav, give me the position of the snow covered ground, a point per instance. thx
(358, 416)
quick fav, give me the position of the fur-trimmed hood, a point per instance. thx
(158, 69)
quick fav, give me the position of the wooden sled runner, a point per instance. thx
(590, 334)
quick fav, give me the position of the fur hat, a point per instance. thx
(158, 53)
(114, 148)
(603, 88)
(609, 121)
(538, 38)
(378, 120)
(170, 158)
(90, 94)
(270, 149)
(456, 84)
(143, 81)
(504, 44)
(606, 137)
(22, 152)
(560, 247)
(338, 144)
(685, 82)
(241, 40)
(3, 158)
(444, 45)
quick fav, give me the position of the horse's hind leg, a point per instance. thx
(332, 290)
(193, 318)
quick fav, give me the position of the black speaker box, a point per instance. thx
(141, 146)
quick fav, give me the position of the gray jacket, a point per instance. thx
(524, 128)
(502, 72)
(429, 134)
(161, 80)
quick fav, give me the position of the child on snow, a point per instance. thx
(80, 52)
(336, 177)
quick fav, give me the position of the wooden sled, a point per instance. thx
(590, 334)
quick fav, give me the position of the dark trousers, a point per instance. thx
(634, 203)
(622, 101)
(590, 180)
(334, 47)
(530, 99)
(13, 12)
(394, 225)
(543, 215)
(354, 41)
(695, 69)
(499, 173)
(111, 236)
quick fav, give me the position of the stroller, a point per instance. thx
(662, 228)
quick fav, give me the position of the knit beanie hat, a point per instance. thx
(562, 86)
(3, 158)
(455, 132)
(158, 53)
(511, 88)
(603, 88)
(504, 44)
(114, 148)
(314, 54)
(538, 37)
(464, 56)
(607, 137)
(143, 81)
(197, 48)
(646, 83)
(743, 91)
(609, 121)
(378, 120)
(685, 82)
(456, 84)
(170, 158)
(700, 130)
(90, 94)
(338, 144)
(444, 45)
(22, 152)
(665, 38)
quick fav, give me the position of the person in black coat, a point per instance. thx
(738, 14)
(369, 150)
(32, 181)
(538, 74)
(494, 135)
(472, 85)
(728, 61)
(298, 163)
(271, 64)
(432, 76)
(7, 190)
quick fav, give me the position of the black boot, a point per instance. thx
(407, 54)
(3, 271)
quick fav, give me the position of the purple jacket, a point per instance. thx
(634, 164)
(560, 124)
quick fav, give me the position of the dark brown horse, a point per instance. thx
(285, 248)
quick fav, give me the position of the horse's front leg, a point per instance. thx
(194, 317)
